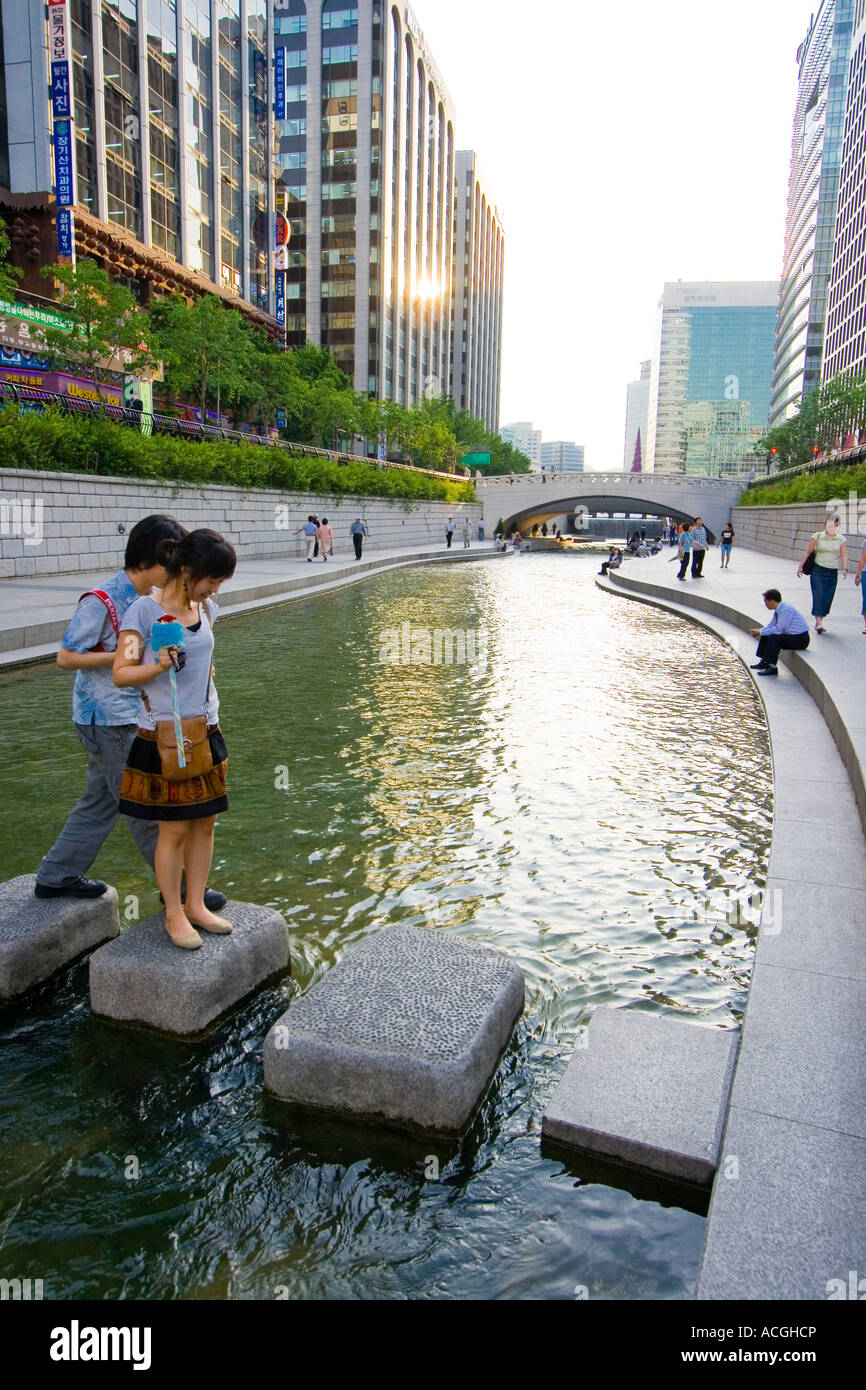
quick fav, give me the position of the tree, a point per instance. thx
(9, 274)
(207, 349)
(110, 333)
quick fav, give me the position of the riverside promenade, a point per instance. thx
(787, 1218)
(35, 610)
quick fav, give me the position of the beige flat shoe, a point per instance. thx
(219, 926)
(187, 943)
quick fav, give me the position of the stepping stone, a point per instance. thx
(38, 936)
(409, 1027)
(646, 1090)
(143, 979)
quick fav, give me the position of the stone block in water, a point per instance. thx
(408, 1028)
(646, 1090)
(39, 936)
(143, 979)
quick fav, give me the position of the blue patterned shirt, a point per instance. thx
(95, 697)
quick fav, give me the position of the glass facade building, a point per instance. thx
(477, 275)
(173, 137)
(812, 194)
(563, 456)
(711, 376)
(845, 349)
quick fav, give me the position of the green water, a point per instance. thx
(570, 800)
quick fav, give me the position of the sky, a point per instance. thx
(625, 144)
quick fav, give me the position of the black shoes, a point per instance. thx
(213, 900)
(72, 888)
(759, 666)
(769, 671)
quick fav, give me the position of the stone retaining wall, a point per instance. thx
(785, 530)
(58, 523)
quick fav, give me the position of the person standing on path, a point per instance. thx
(358, 531)
(684, 552)
(858, 578)
(449, 532)
(787, 630)
(699, 547)
(466, 534)
(831, 553)
(309, 529)
(481, 530)
(105, 718)
(325, 539)
(726, 540)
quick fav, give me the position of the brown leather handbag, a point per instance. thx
(196, 748)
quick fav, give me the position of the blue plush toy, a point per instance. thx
(171, 634)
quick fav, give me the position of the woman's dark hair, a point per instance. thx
(205, 553)
(146, 537)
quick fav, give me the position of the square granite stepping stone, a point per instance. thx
(38, 936)
(409, 1027)
(143, 979)
(646, 1090)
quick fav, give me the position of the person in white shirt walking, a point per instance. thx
(831, 554)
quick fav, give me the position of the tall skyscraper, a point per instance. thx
(812, 194)
(479, 253)
(161, 133)
(711, 372)
(525, 438)
(845, 347)
(636, 414)
(366, 155)
(563, 456)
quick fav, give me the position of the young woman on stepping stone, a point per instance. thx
(176, 684)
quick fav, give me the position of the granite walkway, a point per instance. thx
(788, 1211)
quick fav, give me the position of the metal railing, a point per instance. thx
(148, 422)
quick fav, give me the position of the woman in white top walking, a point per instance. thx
(831, 555)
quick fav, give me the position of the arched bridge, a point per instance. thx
(525, 499)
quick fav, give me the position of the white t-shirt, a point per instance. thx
(196, 691)
(827, 549)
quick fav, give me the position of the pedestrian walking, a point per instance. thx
(358, 531)
(106, 718)
(481, 530)
(858, 579)
(726, 541)
(315, 517)
(830, 552)
(467, 536)
(308, 530)
(325, 539)
(684, 550)
(449, 531)
(698, 534)
(787, 630)
(175, 773)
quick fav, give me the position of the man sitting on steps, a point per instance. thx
(787, 630)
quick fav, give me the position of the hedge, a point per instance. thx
(60, 443)
(816, 487)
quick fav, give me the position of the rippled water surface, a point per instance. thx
(572, 800)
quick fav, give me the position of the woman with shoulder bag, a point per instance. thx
(830, 553)
(176, 769)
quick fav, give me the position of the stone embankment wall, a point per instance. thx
(785, 531)
(59, 523)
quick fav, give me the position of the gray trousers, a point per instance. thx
(96, 814)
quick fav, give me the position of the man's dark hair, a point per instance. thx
(142, 546)
(773, 594)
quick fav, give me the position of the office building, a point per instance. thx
(476, 277)
(636, 417)
(845, 346)
(162, 165)
(711, 372)
(812, 195)
(562, 456)
(523, 437)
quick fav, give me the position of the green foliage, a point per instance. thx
(57, 442)
(207, 349)
(109, 331)
(826, 415)
(829, 483)
(9, 274)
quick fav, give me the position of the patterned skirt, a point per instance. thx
(147, 795)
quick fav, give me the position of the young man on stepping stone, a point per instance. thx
(105, 718)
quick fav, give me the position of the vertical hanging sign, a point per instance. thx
(280, 84)
(64, 138)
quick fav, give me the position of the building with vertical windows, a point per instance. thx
(845, 345)
(812, 194)
(636, 418)
(171, 139)
(523, 437)
(477, 272)
(562, 456)
(711, 372)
